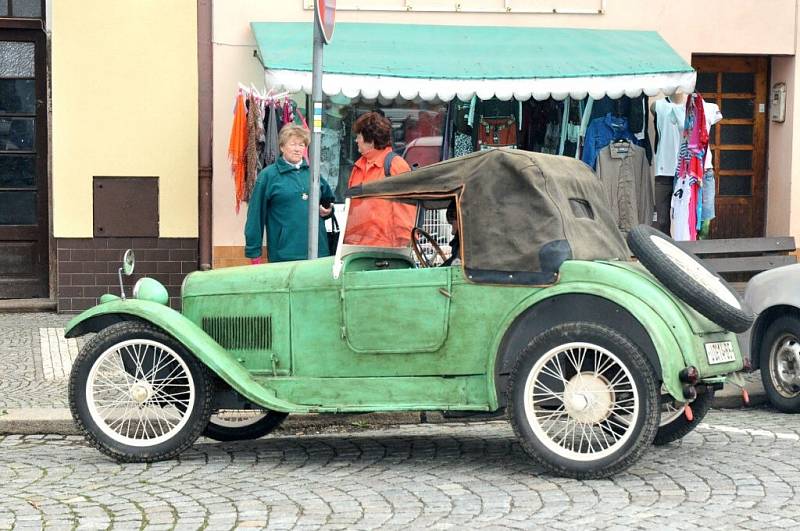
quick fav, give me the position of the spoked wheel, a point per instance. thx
(419, 238)
(673, 424)
(242, 424)
(780, 363)
(583, 401)
(138, 395)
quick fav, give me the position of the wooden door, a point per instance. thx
(23, 165)
(738, 143)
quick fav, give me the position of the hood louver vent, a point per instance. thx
(240, 333)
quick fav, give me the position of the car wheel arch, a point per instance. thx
(561, 308)
(100, 322)
(766, 318)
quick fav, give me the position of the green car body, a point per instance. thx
(291, 338)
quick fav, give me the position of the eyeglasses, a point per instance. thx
(295, 144)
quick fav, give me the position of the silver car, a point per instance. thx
(774, 339)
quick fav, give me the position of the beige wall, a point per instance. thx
(124, 95)
(779, 159)
(710, 26)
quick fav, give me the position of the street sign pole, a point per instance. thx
(316, 140)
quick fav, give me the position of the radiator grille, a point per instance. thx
(240, 333)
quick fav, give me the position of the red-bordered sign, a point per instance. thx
(326, 17)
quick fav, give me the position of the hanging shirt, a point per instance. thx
(670, 119)
(681, 209)
(625, 175)
(601, 132)
(713, 115)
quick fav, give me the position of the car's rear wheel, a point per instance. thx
(687, 276)
(138, 395)
(780, 363)
(583, 400)
(673, 424)
(242, 424)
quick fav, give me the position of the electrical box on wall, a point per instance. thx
(777, 102)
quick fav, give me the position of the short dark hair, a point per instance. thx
(374, 128)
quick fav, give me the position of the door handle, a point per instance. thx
(445, 292)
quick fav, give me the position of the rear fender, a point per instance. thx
(191, 336)
(649, 330)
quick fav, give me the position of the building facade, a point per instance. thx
(115, 117)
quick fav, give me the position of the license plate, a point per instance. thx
(720, 352)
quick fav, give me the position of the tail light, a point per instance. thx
(689, 375)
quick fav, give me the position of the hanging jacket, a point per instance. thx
(378, 222)
(279, 204)
(601, 132)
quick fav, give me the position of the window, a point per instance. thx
(22, 8)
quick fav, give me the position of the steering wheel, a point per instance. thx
(416, 233)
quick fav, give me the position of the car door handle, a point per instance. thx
(445, 292)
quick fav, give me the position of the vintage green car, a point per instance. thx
(593, 355)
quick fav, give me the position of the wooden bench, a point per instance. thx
(738, 259)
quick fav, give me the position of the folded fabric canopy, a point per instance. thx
(444, 62)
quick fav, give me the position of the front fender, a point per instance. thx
(191, 336)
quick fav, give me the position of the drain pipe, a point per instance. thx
(205, 78)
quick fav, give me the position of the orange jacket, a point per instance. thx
(378, 222)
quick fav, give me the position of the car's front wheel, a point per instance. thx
(242, 424)
(780, 363)
(138, 395)
(583, 400)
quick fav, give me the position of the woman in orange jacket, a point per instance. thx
(377, 222)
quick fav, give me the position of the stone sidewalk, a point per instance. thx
(35, 360)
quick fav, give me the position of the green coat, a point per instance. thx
(279, 203)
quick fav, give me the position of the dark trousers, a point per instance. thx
(663, 197)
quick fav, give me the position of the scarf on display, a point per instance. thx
(255, 129)
(691, 159)
(237, 147)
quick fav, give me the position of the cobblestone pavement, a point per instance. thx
(739, 470)
(23, 379)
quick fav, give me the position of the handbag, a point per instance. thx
(333, 234)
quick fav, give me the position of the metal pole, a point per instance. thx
(316, 139)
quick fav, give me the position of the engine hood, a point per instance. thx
(276, 277)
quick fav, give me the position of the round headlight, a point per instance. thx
(150, 289)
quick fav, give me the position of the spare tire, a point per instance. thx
(685, 275)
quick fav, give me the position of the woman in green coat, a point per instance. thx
(279, 204)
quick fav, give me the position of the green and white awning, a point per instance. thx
(444, 62)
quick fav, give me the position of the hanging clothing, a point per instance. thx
(601, 132)
(624, 172)
(279, 205)
(713, 115)
(271, 151)
(691, 162)
(236, 148)
(462, 144)
(682, 210)
(670, 118)
(254, 125)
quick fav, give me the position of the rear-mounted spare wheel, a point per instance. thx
(685, 275)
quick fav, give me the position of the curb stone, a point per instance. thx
(58, 421)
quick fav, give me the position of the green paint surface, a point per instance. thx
(389, 337)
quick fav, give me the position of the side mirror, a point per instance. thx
(128, 261)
